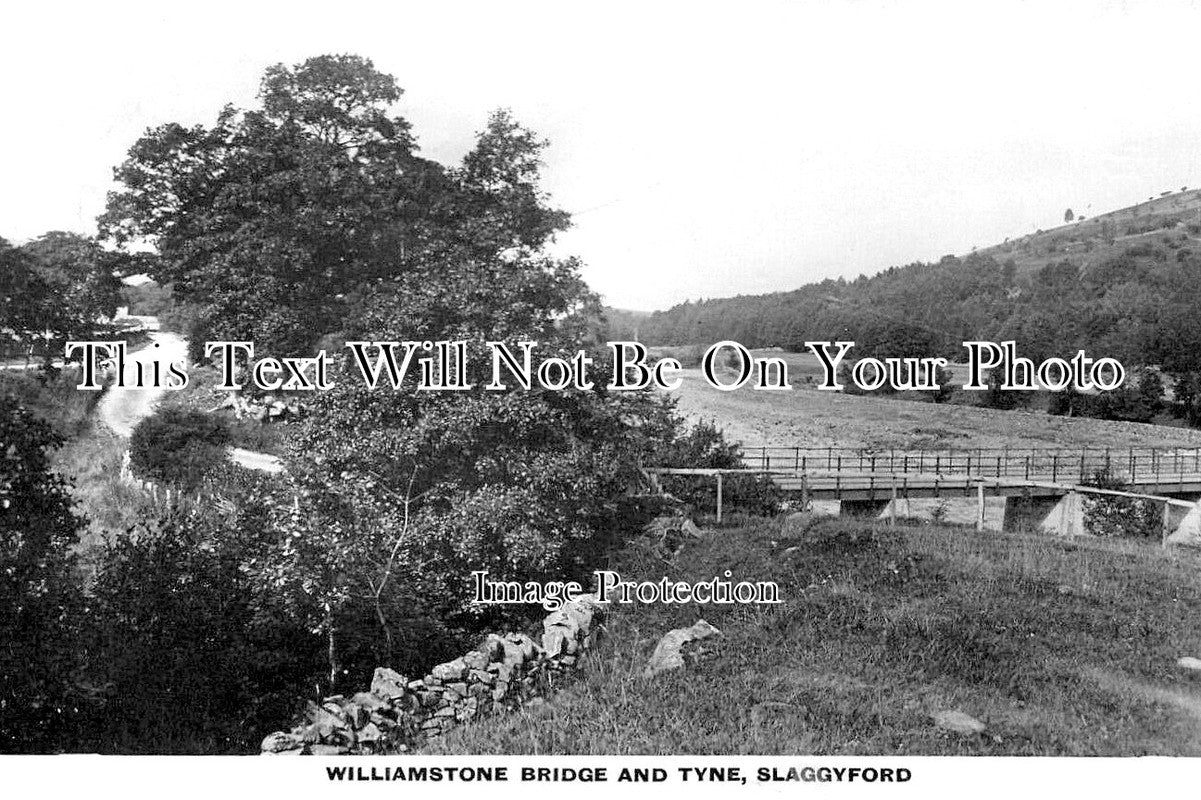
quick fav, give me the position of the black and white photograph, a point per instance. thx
(541, 397)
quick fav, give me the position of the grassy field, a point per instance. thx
(1059, 648)
(812, 418)
(1083, 243)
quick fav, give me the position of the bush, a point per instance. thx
(705, 447)
(1113, 516)
(946, 386)
(191, 657)
(996, 397)
(39, 601)
(1126, 403)
(177, 447)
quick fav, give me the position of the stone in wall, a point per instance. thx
(397, 714)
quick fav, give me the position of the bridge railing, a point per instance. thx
(1075, 465)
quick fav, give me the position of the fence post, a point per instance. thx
(719, 498)
(980, 506)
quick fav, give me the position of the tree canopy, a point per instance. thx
(303, 216)
(56, 288)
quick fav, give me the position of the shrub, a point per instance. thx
(996, 397)
(946, 386)
(191, 657)
(39, 602)
(705, 447)
(1114, 516)
(178, 447)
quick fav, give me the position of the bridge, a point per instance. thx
(1042, 487)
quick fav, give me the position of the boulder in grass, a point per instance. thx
(668, 653)
(958, 722)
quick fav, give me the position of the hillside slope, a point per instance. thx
(1124, 284)
(1058, 648)
(1086, 242)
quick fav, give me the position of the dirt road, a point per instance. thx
(121, 409)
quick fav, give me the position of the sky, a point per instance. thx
(705, 149)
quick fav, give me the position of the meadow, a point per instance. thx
(1057, 647)
(809, 417)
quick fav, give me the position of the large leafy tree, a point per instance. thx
(55, 288)
(283, 223)
(271, 218)
(25, 299)
(82, 274)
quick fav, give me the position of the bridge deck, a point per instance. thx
(868, 473)
(880, 486)
(1054, 463)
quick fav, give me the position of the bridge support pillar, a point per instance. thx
(1067, 517)
(1025, 514)
(1062, 516)
(1184, 524)
(861, 508)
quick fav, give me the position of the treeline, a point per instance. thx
(1139, 307)
(56, 288)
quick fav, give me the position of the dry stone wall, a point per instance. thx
(398, 714)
